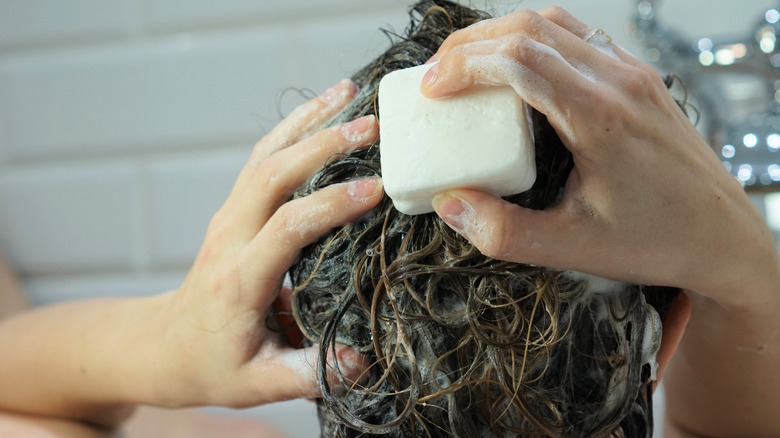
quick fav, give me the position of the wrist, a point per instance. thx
(730, 256)
(178, 369)
(746, 283)
(166, 379)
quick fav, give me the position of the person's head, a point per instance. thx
(460, 344)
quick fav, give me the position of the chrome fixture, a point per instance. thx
(736, 82)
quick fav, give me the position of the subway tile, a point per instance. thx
(329, 50)
(35, 22)
(57, 288)
(184, 192)
(161, 16)
(72, 217)
(175, 92)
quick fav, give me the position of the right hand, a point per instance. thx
(216, 342)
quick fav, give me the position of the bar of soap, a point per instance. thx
(479, 139)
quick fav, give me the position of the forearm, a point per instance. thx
(89, 360)
(723, 381)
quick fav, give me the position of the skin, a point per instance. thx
(205, 343)
(621, 218)
(647, 202)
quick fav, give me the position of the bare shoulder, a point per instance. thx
(30, 426)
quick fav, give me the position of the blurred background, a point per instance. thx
(123, 124)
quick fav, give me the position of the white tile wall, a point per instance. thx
(25, 23)
(169, 14)
(178, 91)
(123, 124)
(184, 191)
(77, 217)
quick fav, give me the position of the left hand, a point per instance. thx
(217, 346)
(647, 201)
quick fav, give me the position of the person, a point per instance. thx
(647, 202)
(461, 344)
(689, 225)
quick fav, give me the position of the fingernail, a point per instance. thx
(456, 212)
(431, 76)
(361, 190)
(337, 92)
(358, 131)
(351, 363)
(432, 59)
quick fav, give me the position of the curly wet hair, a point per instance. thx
(460, 344)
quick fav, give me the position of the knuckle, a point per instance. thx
(264, 147)
(217, 231)
(527, 20)
(496, 241)
(293, 223)
(270, 178)
(455, 38)
(522, 48)
(556, 13)
(492, 247)
(284, 223)
(642, 81)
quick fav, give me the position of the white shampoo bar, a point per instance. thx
(479, 139)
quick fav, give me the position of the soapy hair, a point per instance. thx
(460, 344)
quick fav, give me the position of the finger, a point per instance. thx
(566, 20)
(554, 27)
(539, 75)
(515, 22)
(301, 122)
(507, 231)
(292, 373)
(299, 223)
(305, 119)
(283, 172)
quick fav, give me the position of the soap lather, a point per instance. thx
(480, 139)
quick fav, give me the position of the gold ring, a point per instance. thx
(599, 34)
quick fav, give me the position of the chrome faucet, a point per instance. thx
(736, 84)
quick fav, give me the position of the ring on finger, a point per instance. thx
(598, 36)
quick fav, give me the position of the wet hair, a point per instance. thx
(460, 344)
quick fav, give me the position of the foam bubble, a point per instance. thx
(316, 218)
(604, 45)
(651, 341)
(471, 226)
(302, 363)
(354, 135)
(596, 284)
(500, 69)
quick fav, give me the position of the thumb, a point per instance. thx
(296, 373)
(503, 230)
